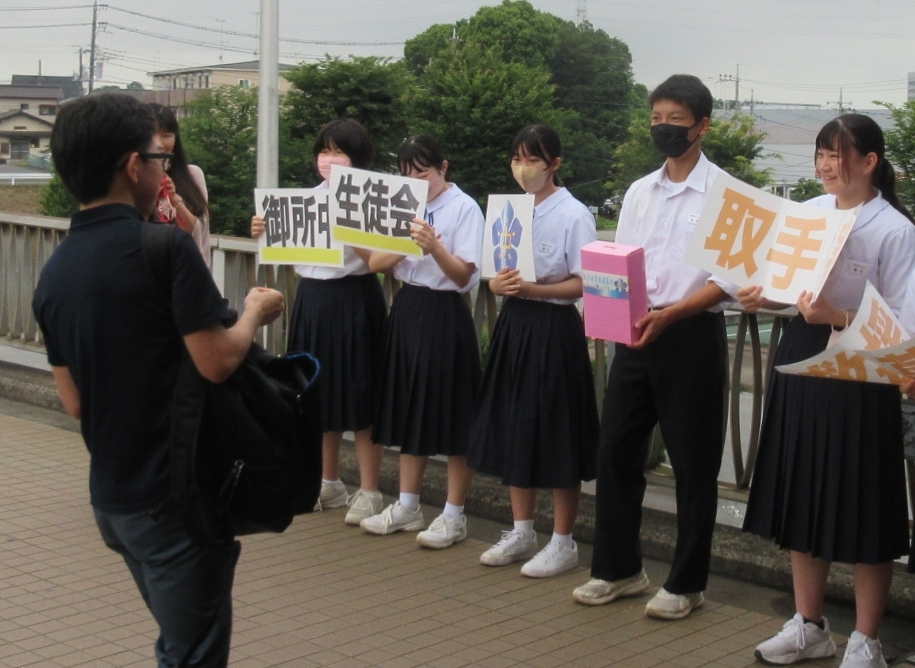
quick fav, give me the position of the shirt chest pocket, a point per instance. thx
(856, 269)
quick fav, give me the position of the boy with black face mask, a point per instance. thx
(674, 375)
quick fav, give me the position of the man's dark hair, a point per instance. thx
(93, 137)
(687, 90)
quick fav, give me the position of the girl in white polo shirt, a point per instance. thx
(432, 358)
(537, 423)
(829, 483)
(340, 315)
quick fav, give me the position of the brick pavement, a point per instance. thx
(322, 594)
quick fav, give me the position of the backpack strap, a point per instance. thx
(190, 390)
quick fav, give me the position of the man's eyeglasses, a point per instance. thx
(166, 158)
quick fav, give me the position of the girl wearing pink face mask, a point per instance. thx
(536, 425)
(340, 315)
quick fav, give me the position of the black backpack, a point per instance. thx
(245, 453)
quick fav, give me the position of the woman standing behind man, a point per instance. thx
(829, 483)
(183, 199)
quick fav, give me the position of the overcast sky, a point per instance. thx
(804, 51)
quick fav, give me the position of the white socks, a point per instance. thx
(525, 527)
(452, 511)
(409, 501)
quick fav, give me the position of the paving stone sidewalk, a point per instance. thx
(322, 594)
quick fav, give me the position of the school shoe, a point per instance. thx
(598, 592)
(332, 496)
(665, 605)
(863, 652)
(443, 532)
(552, 560)
(363, 504)
(394, 518)
(798, 640)
(512, 547)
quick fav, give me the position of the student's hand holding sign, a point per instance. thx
(821, 312)
(424, 235)
(506, 283)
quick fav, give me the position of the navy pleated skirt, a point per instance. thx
(431, 374)
(342, 322)
(537, 424)
(829, 477)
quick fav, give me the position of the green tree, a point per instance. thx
(590, 73)
(731, 143)
(220, 136)
(370, 90)
(806, 189)
(474, 103)
(900, 149)
(55, 200)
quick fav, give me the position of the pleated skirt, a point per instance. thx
(342, 322)
(829, 477)
(536, 423)
(431, 374)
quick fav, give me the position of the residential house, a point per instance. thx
(27, 114)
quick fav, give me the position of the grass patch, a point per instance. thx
(20, 198)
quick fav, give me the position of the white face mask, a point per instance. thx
(325, 162)
(531, 178)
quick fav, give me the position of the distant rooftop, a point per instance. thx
(71, 86)
(31, 92)
(248, 66)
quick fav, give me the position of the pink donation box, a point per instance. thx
(614, 290)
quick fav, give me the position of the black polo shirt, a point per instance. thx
(105, 318)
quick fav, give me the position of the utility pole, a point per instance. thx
(727, 77)
(92, 46)
(581, 11)
(268, 114)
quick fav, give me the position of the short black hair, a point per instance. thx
(92, 137)
(348, 135)
(421, 152)
(540, 141)
(687, 90)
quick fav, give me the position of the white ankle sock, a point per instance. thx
(564, 540)
(332, 483)
(453, 511)
(526, 527)
(409, 501)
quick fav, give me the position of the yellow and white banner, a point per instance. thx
(298, 227)
(750, 237)
(374, 210)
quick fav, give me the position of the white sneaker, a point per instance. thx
(512, 547)
(394, 518)
(363, 504)
(443, 532)
(332, 496)
(665, 605)
(552, 560)
(598, 592)
(863, 652)
(798, 640)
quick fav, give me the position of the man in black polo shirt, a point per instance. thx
(113, 341)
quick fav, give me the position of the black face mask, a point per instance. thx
(672, 140)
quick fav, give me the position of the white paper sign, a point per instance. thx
(508, 235)
(298, 227)
(874, 349)
(374, 210)
(750, 237)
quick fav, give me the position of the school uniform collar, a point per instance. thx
(103, 213)
(443, 198)
(697, 179)
(551, 202)
(869, 210)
